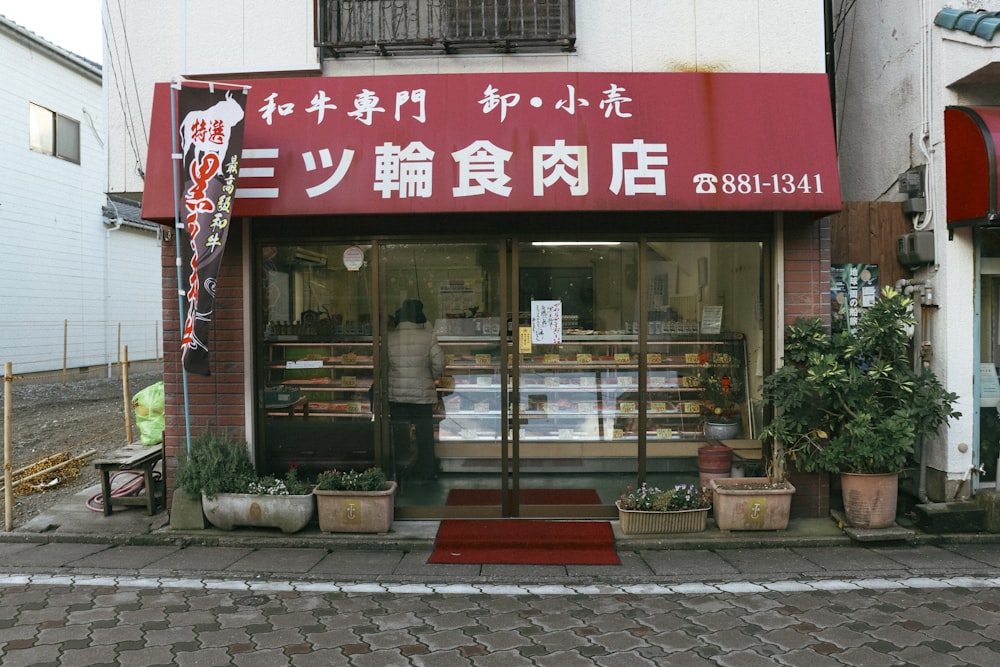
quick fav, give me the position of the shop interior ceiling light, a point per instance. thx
(558, 243)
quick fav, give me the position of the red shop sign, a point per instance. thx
(524, 142)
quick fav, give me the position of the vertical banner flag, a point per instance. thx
(211, 139)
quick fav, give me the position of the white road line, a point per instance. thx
(691, 588)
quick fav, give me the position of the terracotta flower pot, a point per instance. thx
(751, 503)
(355, 511)
(870, 500)
(714, 461)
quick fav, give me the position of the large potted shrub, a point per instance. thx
(351, 501)
(218, 470)
(851, 403)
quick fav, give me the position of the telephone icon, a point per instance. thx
(705, 184)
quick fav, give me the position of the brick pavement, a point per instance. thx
(103, 604)
(79, 588)
(90, 620)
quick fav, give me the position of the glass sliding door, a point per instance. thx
(577, 375)
(448, 449)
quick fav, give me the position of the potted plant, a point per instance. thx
(355, 502)
(218, 470)
(752, 503)
(682, 509)
(852, 404)
(721, 396)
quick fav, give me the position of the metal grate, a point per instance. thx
(407, 27)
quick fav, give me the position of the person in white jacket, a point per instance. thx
(415, 362)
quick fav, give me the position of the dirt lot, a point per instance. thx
(52, 418)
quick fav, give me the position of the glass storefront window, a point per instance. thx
(577, 366)
(316, 360)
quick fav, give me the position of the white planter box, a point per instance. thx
(289, 513)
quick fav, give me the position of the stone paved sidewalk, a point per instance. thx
(87, 621)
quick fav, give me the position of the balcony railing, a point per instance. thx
(408, 27)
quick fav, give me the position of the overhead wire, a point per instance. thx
(115, 61)
(840, 39)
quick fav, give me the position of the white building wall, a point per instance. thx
(895, 71)
(57, 277)
(612, 35)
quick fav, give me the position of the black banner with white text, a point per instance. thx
(210, 134)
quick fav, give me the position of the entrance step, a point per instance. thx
(894, 533)
(953, 517)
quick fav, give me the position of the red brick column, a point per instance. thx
(217, 401)
(807, 270)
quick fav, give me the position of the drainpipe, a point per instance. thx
(926, 147)
(110, 226)
(831, 74)
(923, 297)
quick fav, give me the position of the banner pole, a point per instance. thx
(177, 245)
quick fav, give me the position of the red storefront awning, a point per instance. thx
(971, 138)
(587, 141)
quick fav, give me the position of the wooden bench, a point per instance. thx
(133, 458)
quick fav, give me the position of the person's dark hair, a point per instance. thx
(412, 310)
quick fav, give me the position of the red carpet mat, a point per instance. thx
(525, 542)
(527, 496)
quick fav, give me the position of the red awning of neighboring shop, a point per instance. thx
(971, 138)
(585, 141)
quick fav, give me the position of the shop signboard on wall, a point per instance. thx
(853, 287)
(547, 141)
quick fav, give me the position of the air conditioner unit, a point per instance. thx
(915, 249)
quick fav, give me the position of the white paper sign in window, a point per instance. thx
(546, 322)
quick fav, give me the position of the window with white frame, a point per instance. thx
(53, 134)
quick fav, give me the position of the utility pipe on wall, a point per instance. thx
(923, 295)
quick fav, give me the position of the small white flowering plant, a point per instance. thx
(647, 498)
(290, 485)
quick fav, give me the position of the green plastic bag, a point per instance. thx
(148, 406)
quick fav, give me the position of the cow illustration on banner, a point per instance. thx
(210, 136)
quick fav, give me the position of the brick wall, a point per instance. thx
(217, 401)
(807, 270)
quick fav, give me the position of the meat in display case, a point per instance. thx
(317, 405)
(586, 389)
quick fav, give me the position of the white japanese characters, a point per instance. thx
(407, 171)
